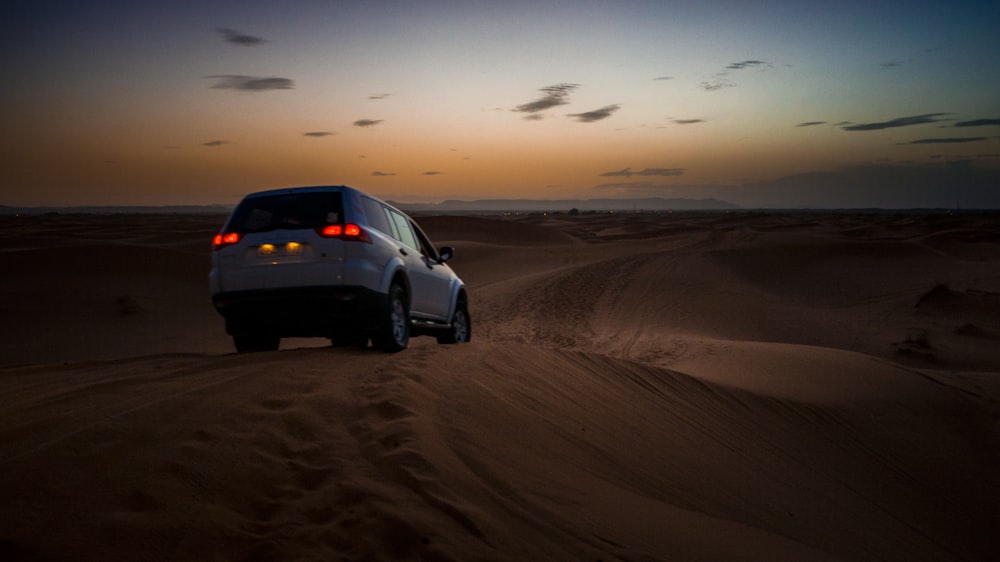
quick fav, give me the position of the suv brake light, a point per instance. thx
(225, 239)
(348, 231)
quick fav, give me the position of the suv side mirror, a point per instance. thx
(446, 253)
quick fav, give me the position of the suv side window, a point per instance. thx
(375, 213)
(426, 248)
(405, 233)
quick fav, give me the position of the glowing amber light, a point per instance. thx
(293, 248)
(266, 249)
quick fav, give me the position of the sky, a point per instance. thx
(778, 103)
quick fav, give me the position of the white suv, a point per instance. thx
(332, 262)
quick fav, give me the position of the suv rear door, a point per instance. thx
(430, 280)
(278, 242)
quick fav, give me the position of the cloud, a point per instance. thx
(897, 122)
(719, 80)
(215, 143)
(237, 38)
(250, 83)
(379, 174)
(748, 64)
(716, 84)
(627, 172)
(810, 123)
(378, 96)
(555, 95)
(318, 134)
(662, 172)
(431, 173)
(367, 122)
(688, 121)
(664, 78)
(893, 63)
(956, 140)
(596, 115)
(978, 123)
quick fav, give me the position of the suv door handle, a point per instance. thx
(403, 251)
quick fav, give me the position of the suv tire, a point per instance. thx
(460, 330)
(394, 333)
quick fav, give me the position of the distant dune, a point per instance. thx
(683, 386)
(118, 210)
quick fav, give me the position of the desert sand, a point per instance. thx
(722, 386)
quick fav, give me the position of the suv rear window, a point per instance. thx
(290, 212)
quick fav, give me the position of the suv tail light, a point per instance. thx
(347, 231)
(225, 239)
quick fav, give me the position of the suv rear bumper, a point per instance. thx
(301, 311)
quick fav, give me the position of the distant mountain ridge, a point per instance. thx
(565, 205)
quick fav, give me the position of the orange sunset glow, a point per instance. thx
(200, 104)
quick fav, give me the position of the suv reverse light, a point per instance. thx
(225, 239)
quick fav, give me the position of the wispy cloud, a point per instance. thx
(367, 122)
(662, 172)
(250, 83)
(664, 78)
(627, 172)
(379, 174)
(378, 96)
(894, 63)
(595, 115)
(954, 140)
(978, 123)
(897, 122)
(720, 80)
(215, 143)
(688, 121)
(716, 84)
(810, 123)
(431, 173)
(748, 64)
(555, 96)
(237, 38)
(318, 134)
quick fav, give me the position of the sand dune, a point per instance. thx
(645, 387)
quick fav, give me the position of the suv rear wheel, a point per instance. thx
(394, 333)
(460, 330)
